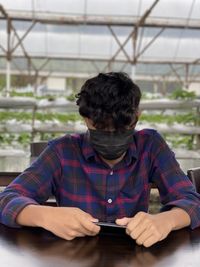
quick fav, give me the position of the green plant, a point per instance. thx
(24, 138)
(185, 118)
(27, 116)
(2, 82)
(183, 94)
(179, 141)
(28, 94)
(71, 97)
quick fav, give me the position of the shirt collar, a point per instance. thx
(87, 148)
(132, 152)
(90, 153)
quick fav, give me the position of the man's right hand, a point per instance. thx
(65, 222)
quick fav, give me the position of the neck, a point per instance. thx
(113, 162)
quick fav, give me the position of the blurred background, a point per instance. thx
(49, 48)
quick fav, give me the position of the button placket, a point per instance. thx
(109, 200)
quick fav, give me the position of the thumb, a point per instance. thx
(91, 218)
(95, 220)
(123, 221)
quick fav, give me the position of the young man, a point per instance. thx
(104, 174)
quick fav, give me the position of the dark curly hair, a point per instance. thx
(109, 100)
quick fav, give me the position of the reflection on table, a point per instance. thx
(37, 247)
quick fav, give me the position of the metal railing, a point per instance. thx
(17, 103)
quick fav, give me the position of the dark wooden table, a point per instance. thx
(34, 247)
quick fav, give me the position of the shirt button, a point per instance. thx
(111, 173)
(109, 200)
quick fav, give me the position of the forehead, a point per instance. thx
(110, 128)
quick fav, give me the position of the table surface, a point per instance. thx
(39, 248)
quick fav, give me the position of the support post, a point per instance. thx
(7, 78)
(198, 124)
(8, 58)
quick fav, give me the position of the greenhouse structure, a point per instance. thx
(90, 174)
(48, 48)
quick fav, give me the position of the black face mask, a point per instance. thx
(111, 145)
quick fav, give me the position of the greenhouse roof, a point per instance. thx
(146, 38)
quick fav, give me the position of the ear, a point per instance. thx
(89, 123)
(139, 112)
(137, 116)
(85, 119)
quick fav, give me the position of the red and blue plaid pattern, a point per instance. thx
(71, 170)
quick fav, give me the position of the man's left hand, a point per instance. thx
(147, 229)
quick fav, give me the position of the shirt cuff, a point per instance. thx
(13, 208)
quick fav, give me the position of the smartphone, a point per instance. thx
(106, 224)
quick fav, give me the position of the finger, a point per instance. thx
(139, 229)
(89, 216)
(67, 235)
(75, 228)
(94, 220)
(150, 241)
(81, 228)
(135, 222)
(143, 237)
(71, 234)
(78, 234)
(87, 223)
(89, 227)
(86, 231)
(123, 221)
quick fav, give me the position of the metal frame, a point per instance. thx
(69, 19)
(142, 22)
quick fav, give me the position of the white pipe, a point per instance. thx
(7, 77)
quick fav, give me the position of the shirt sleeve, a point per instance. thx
(34, 186)
(175, 188)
